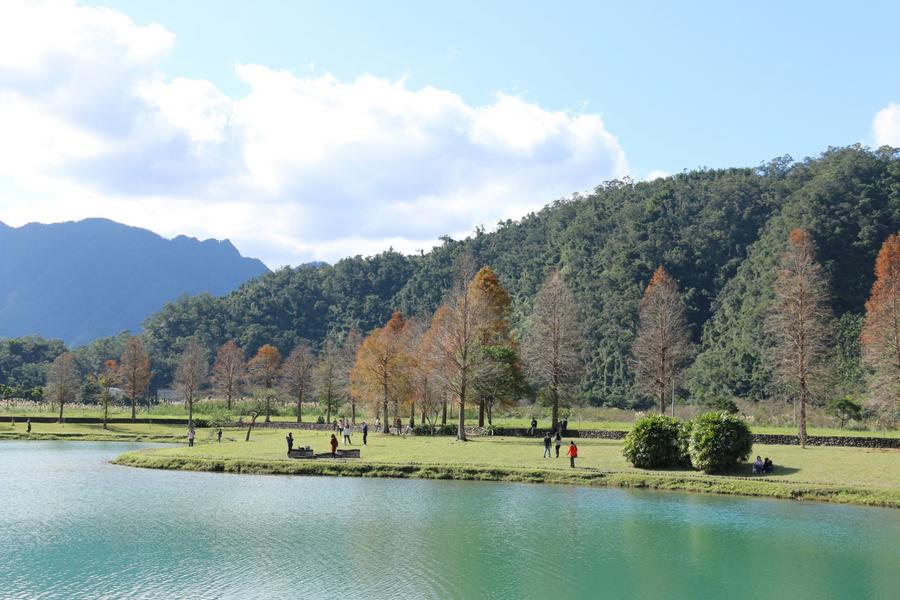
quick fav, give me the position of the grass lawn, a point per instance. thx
(118, 432)
(852, 475)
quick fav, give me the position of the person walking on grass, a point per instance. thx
(573, 454)
(347, 431)
(533, 429)
(219, 435)
(365, 432)
(546, 444)
(334, 445)
(290, 441)
(558, 441)
(28, 426)
(191, 434)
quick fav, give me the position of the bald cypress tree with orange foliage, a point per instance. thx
(662, 347)
(381, 372)
(265, 368)
(495, 333)
(799, 322)
(881, 332)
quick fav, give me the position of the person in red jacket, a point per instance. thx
(334, 445)
(573, 454)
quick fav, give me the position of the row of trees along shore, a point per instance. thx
(468, 354)
(800, 323)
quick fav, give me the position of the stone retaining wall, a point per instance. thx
(821, 440)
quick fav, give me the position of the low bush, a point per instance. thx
(654, 441)
(718, 441)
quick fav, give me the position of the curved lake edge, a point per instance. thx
(654, 480)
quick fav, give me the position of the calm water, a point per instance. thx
(73, 526)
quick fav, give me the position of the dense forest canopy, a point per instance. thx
(719, 233)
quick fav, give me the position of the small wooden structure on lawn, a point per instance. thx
(307, 452)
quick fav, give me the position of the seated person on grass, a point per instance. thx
(768, 466)
(758, 465)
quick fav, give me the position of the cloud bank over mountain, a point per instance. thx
(303, 166)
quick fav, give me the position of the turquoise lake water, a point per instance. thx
(74, 526)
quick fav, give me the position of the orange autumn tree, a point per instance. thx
(381, 372)
(880, 336)
(265, 367)
(494, 333)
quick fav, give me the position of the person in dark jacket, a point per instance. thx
(557, 439)
(533, 429)
(290, 441)
(547, 444)
(365, 432)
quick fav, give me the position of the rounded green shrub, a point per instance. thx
(653, 442)
(718, 441)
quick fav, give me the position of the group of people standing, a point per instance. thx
(556, 440)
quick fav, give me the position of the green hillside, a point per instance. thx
(718, 232)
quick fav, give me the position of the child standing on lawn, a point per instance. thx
(573, 454)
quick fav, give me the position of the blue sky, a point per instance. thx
(311, 131)
(682, 85)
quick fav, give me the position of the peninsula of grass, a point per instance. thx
(845, 475)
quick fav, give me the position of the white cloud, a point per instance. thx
(301, 167)
(656, 174)
(886, 125)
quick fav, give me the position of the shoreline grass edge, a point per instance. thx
(655, 480)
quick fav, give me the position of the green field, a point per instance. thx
(852, 475)
(622, 422)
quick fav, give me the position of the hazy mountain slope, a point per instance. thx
(78, 281)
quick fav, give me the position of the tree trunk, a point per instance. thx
(228, 400)
(133, 409)
(490, 413)
(353, 412)
(554, 405)
(444, 413)
(267, 410)
(328, 412)
(250, 427)
(481, 412)
(191, 411)
(106, 411)
(387, 419)
(412, 413)
(803, 415)
(461, 430)
(300, 408)
(61, 404)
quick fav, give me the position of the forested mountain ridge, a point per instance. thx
(719, 233)
(78, 281)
